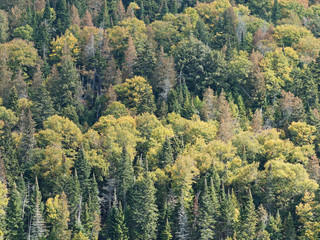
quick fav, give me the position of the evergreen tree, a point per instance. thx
(146, 62)
(275, 226)
(248, 219)
(289, 231)
(166, 234)
(83, 168)
(117, 229)
(38, 227)
(13, 99)
(201, 32)
(207, 213)
(14, 219)
(130, 60)
(104, 18)
(275, 16)
(124, 175)
(164, 77)
(166, 154)
(183, 231)
(28, 142)
(143, 213)
(63, 19)
(75, 201)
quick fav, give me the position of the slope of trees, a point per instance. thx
(159, 119)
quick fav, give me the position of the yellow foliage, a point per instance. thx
(67, 43)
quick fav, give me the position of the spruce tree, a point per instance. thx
(38, 227)
(143, 213)
(207, 213)
(63, 18)
(117, 229)
(275, 226)
(166, 154)
(289, 231)
(248, 219)
(130, 60)
(183, 231)
(83, 168)
(124, 175)
(275, 15)
(14, 219)
(13, 99)
(28, 142)
(166, 234)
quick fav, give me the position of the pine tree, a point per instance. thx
(14, 219)
(207, 213)
(164, 77)
(289, 231)
(63, 17)
(143, 213)
(183, 231)
(13, 99)
(75, 19)
(28, 142)
(248, 219)
(87, 19)
(166, 234)
(117, 229)
(130, 59)
(38, 227)
(275, 226)
(83, 168)
(275, 15)
(104, 18)
(124, 175)
(166, 154)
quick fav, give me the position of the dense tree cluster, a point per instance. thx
(159, 119)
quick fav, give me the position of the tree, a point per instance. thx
(83, 168)
(14, 218)
(289, 231)
(124, 175)
(207, 213)
(13, 99)
(143, 213)
(248, 219)
(164, 77)
(227, 126)
(183, 231)
(4, 26)
(104, 18)
(87, 19)
(166, 154)
(275, 12)
(28, 142)
(137, 95)
(275, 227)
(117, 229)
(75, 19)
(3, 207)
(63, 16)
(130, 59)
(38, 227)
(58, 217)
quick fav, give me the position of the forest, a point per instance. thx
(159, 119)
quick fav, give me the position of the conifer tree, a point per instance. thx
(207, 213)
(75, 201)
(104, 18)
(75, 19)
(28, 142)
(116, 222)
(166, 234)
(166, 154)
(63, 16)
(13, 99)
(120, 12)
(146, 62)
(263, 219)
(248, 219)
(289, 231)
(183, 231)
(130, 59)
(124, 175)
(164, 77)
(275, 226)
(14, 219)
(38, 227)
(143, 213)
(83, 168)
(275, 12)
(87, 19)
